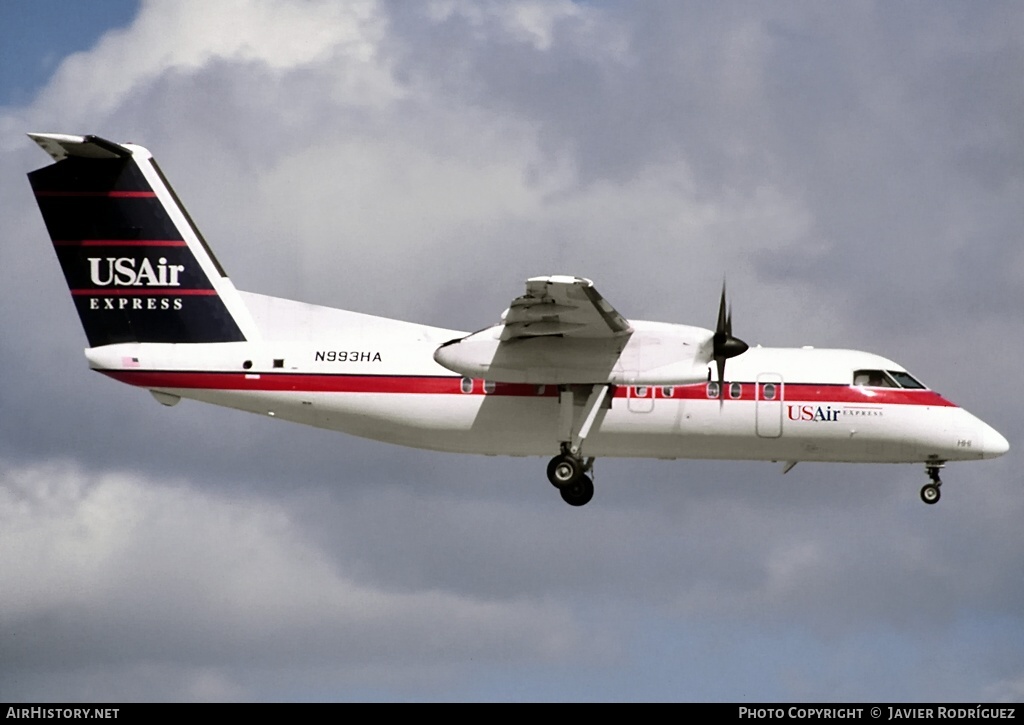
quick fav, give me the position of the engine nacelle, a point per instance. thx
(646, 357)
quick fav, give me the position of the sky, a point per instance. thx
(855, 170)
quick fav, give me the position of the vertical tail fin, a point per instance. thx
(137, 266)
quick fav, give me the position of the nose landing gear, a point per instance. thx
(930, 492)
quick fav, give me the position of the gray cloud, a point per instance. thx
(856, 173)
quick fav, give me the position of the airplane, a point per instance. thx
(563, 373)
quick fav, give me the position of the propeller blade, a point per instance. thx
(721, 312)
(724, 344)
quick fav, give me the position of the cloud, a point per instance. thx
(182, 39)
(113, 569)
(852, 173)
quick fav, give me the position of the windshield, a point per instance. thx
(906, 380)
(874, 379)
(886, 379)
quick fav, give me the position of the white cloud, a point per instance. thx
(1008, 690)
(178, 574)
(184, 37)
(534, 23)
(363, 173)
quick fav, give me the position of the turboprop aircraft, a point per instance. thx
(563, 373)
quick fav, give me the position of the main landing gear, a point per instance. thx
(568, 473)
(568, 470)
(930, 491)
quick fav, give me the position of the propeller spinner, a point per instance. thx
(725, 345)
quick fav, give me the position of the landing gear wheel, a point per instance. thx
(930, 491)
(578, 493)
(565, 470)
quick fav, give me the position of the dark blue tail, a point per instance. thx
(137, 266)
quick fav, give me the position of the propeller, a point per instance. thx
(725, 345)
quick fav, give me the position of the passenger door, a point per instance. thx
(769, 394)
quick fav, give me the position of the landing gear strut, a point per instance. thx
(568, 470)
(930, 492)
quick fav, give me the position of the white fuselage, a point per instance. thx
(377, 378)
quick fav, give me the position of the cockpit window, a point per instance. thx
(906, 380)
(886, 379)
(874, 379)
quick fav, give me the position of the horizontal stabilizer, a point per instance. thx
(62, 145)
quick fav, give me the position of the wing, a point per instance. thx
(561, 331)
(565, 306)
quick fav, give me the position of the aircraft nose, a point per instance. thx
(993, 444)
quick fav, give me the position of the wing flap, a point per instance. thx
(562, 305)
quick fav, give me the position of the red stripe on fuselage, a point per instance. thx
(795, 393)
(299, 383)
(806, 393)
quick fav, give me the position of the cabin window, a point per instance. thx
(488, 387)
(906, 380)
(467, 385)
(247, 365)
(667, 391)
(735, 390)
(713, 390)
(873, 379)
(279, 362)
(768, 391)
(640, 392)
